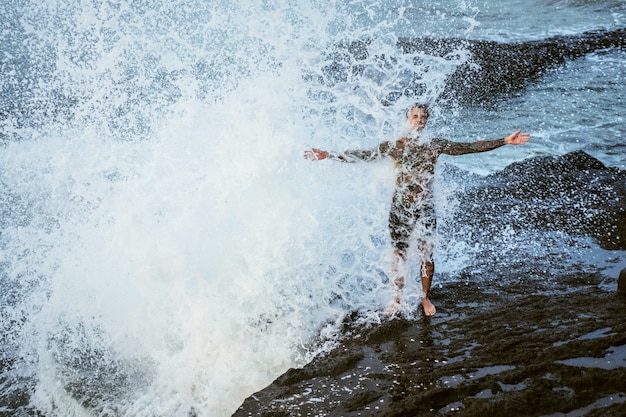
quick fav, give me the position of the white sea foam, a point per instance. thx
(182, 253)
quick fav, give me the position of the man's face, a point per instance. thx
(417, 118)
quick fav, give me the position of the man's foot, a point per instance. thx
(429, 308)
(393, 307)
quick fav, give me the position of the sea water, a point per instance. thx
(165, 249)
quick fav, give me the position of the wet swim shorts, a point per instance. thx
(402, 222)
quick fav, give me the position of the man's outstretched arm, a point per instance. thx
(349, 156)
(462, 148)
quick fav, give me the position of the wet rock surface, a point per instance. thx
(493, 70)
(573, 193)
(621, 283)
(491, 350)
(526, 336)
(498, 72)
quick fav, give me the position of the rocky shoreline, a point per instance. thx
(524, 335)
(491, 350)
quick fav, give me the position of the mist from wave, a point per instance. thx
(165, 246)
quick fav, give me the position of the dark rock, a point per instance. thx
(574, 193)
(500, 73)
(485, 353)
(328, 366)
(494, 70)
(621, 282)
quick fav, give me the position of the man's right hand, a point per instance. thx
(316, 154)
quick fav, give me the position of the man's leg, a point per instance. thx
(398, 271)
(427, 251)
(427, 270)
(400, 226)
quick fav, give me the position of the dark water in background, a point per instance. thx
(163, 244)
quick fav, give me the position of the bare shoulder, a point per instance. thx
(395, 148)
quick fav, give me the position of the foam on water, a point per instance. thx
(169, 248)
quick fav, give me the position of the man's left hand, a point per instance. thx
(517, 138)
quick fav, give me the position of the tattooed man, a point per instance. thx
(412, 206)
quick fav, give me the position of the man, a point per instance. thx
(412, 206)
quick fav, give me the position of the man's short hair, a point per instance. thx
(422, 106)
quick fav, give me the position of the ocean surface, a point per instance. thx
(165, 250)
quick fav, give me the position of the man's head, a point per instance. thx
(417, 116)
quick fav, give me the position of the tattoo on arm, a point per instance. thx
(366, 155)
(462, 148)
